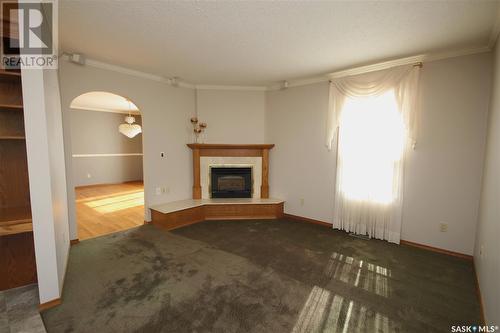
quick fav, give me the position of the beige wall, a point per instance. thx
(94, 132)
(232, 116)
(487, 249)
(165, 115)
(443, 173)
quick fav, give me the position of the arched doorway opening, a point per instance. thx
(107, 163)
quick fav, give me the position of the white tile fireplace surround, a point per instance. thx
(230, 161)
(241, 155)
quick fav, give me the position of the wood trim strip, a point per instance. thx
(196, 174)
(437, 250)
(49, 305)
(221, 152)
(402, 242)
(177, 219)
(101, 184)
(479, 296)
(74, 241)
(307, 220)
(264, 188)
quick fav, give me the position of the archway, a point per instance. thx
(107, 163)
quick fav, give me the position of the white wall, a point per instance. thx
(443, 173)
(165, 114)
(94, 132)
(487, 248)
(300, 165)
(232, 116)
(44, 142)
(443, 177)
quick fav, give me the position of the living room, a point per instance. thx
(306, 167)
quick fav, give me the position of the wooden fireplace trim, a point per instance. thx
(235, 150)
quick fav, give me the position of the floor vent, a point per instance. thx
(365, 237)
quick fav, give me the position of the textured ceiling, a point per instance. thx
(252, 43)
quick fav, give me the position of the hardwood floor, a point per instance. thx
(104, 209)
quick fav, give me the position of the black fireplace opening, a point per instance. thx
(229, 182)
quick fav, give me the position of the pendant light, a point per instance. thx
(129, 129)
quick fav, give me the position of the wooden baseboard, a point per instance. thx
(74, 241)
(438, 250)
(48, 305)
(404, 242)
(147, 222)
(479, 295)
(107, 184)
(308, 220)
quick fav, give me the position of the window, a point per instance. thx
(371, 141)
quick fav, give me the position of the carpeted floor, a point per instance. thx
(260, 276)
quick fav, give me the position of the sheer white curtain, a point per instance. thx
(373, 119)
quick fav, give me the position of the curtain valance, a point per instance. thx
(402, 79)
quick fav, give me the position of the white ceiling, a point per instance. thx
(256, 43)
(104, 101)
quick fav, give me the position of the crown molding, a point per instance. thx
(230, 87)
(427, 57)
(183, 84)
(127, 71)
(408, 60)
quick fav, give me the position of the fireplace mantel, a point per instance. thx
(237, 150)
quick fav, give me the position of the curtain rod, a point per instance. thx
(372, 68)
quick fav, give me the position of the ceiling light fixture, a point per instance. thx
(129, 129)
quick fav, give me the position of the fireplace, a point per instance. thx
(231, 182)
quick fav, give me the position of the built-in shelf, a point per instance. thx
(12, 137)
(17, 251)
(15, 220)
(9, 74)
(11, 107)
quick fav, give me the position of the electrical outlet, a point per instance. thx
(162, 154)
(165, 190)
(302, 201)
(158, 191)
(443, 227)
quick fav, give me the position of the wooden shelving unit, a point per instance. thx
(17, 254)
(11, 107)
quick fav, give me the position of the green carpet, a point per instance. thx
(260, 276)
